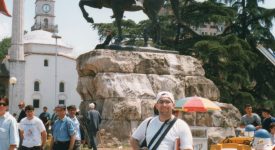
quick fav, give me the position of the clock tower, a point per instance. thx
(44, 16)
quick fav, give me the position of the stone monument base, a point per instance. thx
(124, 83)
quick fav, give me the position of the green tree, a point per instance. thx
(231, 60)
(4, 46)
(252, 22)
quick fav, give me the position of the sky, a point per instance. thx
(72, 26)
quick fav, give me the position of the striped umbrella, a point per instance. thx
(195, 104)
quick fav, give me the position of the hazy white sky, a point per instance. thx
(72, 26)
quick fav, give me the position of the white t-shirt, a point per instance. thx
(32, 131)
(179, 130)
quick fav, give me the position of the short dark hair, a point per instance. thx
(45, 107)
(5, 100)
(71, 107)
(29, 107)
(266, 110)
(247, 105)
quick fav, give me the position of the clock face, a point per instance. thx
(46, 8)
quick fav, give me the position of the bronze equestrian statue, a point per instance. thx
(150, 8)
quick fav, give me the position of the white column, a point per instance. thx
(17, 49)
(16, 54)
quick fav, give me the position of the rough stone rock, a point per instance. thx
(201, 86)
(103, 61)
(123, 84)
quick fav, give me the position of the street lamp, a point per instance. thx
(55, 73)
(12, 82)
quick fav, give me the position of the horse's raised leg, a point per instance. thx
(84, 12)
(151, 9)
(175, 8)
(118, 14)
(155, 27)
(146, 36)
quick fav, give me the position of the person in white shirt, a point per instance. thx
(32, 131)
(72, 114)
(147, 130)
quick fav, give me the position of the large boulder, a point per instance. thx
(124, 84)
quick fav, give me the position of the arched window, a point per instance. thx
(46, 63)
(61, 87)
(35, 103)
(36, 86)
(46, 22)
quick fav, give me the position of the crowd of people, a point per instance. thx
(160, 131)
(29, 132)
(267, 122)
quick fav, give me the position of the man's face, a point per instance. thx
(60, 112)
(3, 108)
(265, 114)
(72, 112)
(45, 109)
(165, 106)
(248, 110)
(21, 105)
(29, 114)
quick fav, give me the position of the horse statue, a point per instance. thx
(150, 8)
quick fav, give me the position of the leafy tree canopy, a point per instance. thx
(4, 46)
(231, 60)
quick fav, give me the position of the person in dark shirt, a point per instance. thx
(22, 113)
(46, 118)
(267, 119)
(94, 120)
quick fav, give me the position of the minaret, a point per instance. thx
(16, 54)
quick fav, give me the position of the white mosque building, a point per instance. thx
(50, 75)
(50, 71)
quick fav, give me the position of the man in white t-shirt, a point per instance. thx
(180, 130)
(32, 131)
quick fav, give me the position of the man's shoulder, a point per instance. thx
(255, 115)
(181, 122)
(244, 116)
(68, 120)
(8, 116)
(36, 119)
